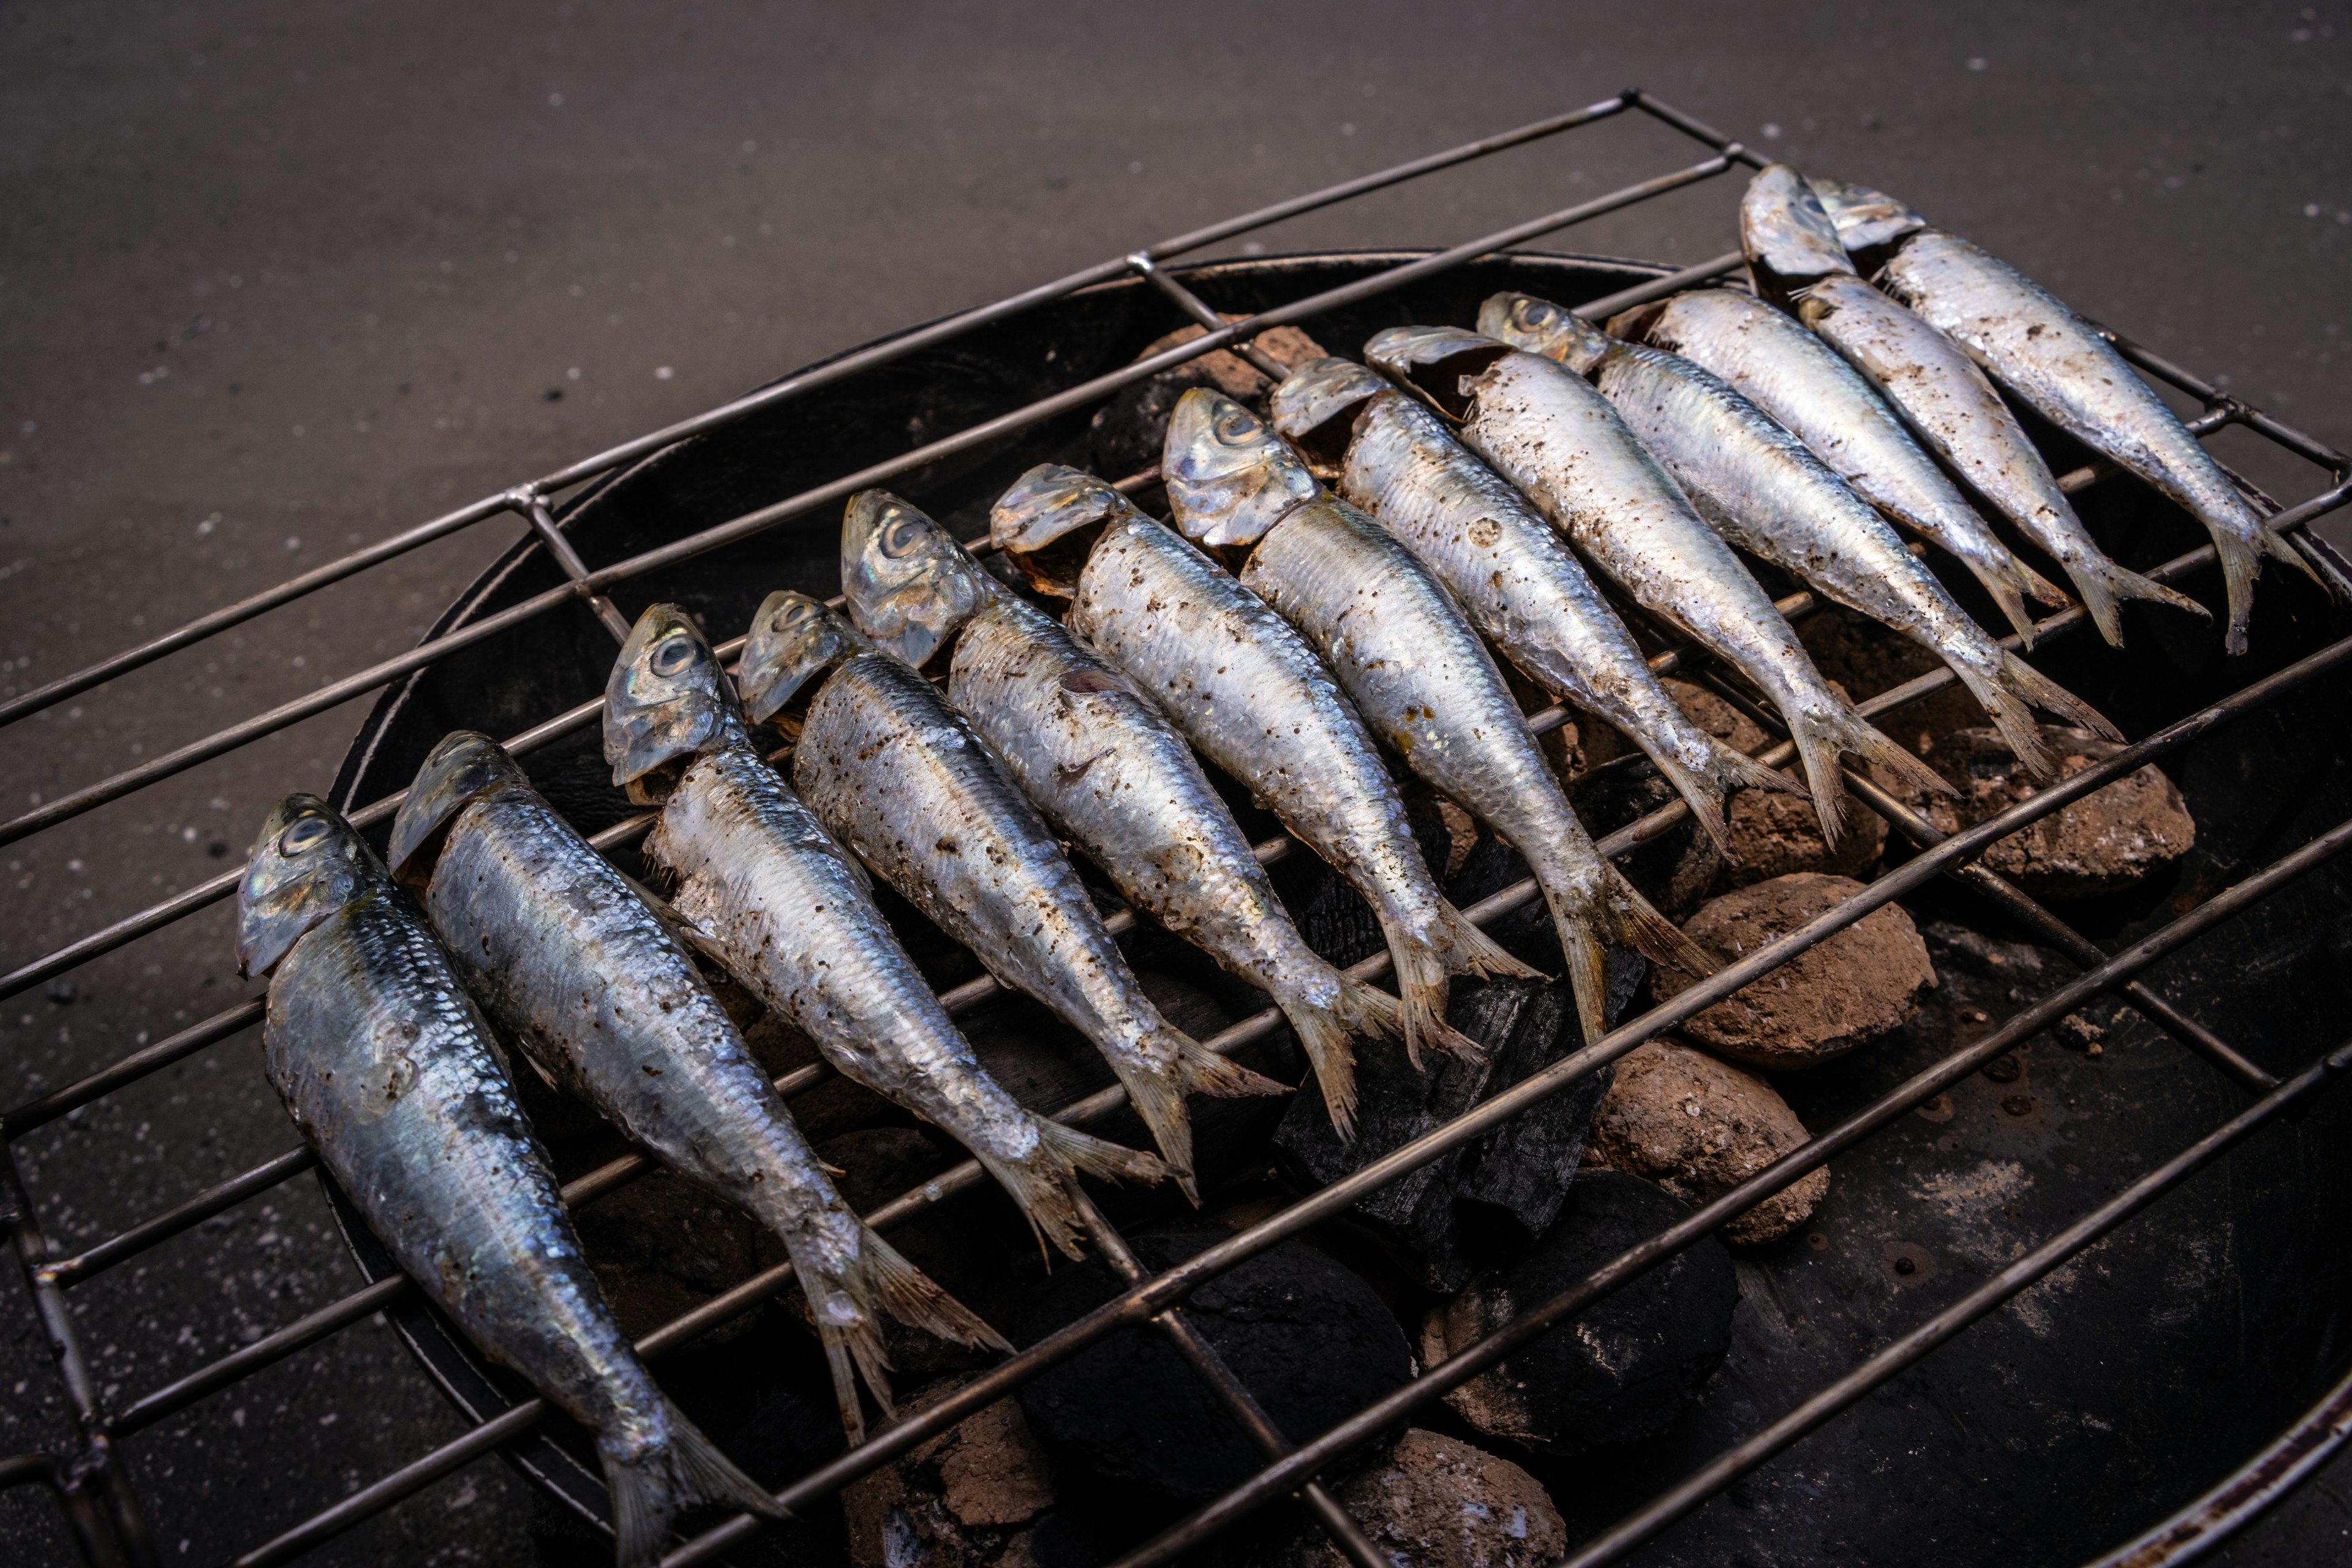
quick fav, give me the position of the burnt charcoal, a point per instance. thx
(1310, 1341)
(1434, 1502)
(1515, 1179)
(1673, 870)
(1623, 1369)
(1504, 1189)
(970, 1498)
(1334, 917)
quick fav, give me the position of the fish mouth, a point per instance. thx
(465, 766)
(910, 586)
(667, 700)
(1435, 363)
(1787, 234)
(1541, 327)
(1230, 479)
(793, 639)
(1315, 409)
(1048, 521)
(307, 863)
(1864, 219)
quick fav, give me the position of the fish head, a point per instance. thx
(910, 586)
(667, 700)
(467, 766)
(1230, 478)
(794, 639)
(1315, 410)
(1788, 240)
(1436, 365)
(1048, 521)
(1541, 327)
(308, 863)
(1864, 219)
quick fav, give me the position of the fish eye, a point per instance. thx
(673, 655)
(1236, 424)
(905, 532)
(304, 833)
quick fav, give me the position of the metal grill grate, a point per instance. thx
(95, 1482)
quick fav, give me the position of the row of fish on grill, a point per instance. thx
(1324, 602)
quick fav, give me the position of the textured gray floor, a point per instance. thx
(277, 280)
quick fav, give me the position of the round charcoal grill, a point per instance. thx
(1993, 1342)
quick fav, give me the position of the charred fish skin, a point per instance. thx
(1424, 682)
(905, 781)
(753, 867)
(561, 952)
(394, 1079)
(1764, 491)
(1240, 683)
(1561, 444)
(1110, 773)
(2060, 364)
(1948, 402)
(1512, 573)
(1800, 381)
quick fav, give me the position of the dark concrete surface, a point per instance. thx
(277, 280)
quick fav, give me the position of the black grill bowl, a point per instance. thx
(2148, 1370)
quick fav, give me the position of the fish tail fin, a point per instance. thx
(2052, 698)
(1036, 1182)
(1424, 979)
(2242, 564)
(1157, 1093)
(848, 1353)
(2012, 581)
(2277, 544)
(2012, 715)
(1324, 1034)
(2103, 583)
(1706, 789)
(912, 1297)
(1588, 920)
(649, 1486)
(1821, 735)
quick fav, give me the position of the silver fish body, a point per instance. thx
(1512, 573)
(562, 953)
(753, 867)
(1422, 680)
(1242, 685)
(1799, 380)
(394, 1078)
(1110, 774)
(2075, 378)
(901, 778)
(1554, 437)
(1763, 490)
(1938, 391)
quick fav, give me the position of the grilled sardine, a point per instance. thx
(1551, 434)
(2060, 365)
(1417, 674)
(1509, 570)
(901, 778)
(753, 869)
(1242, 685)
(561, 952)
(1766, 494)
(1793, 251)
(1110, 774)
(1793, 375)
(396, 1079)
